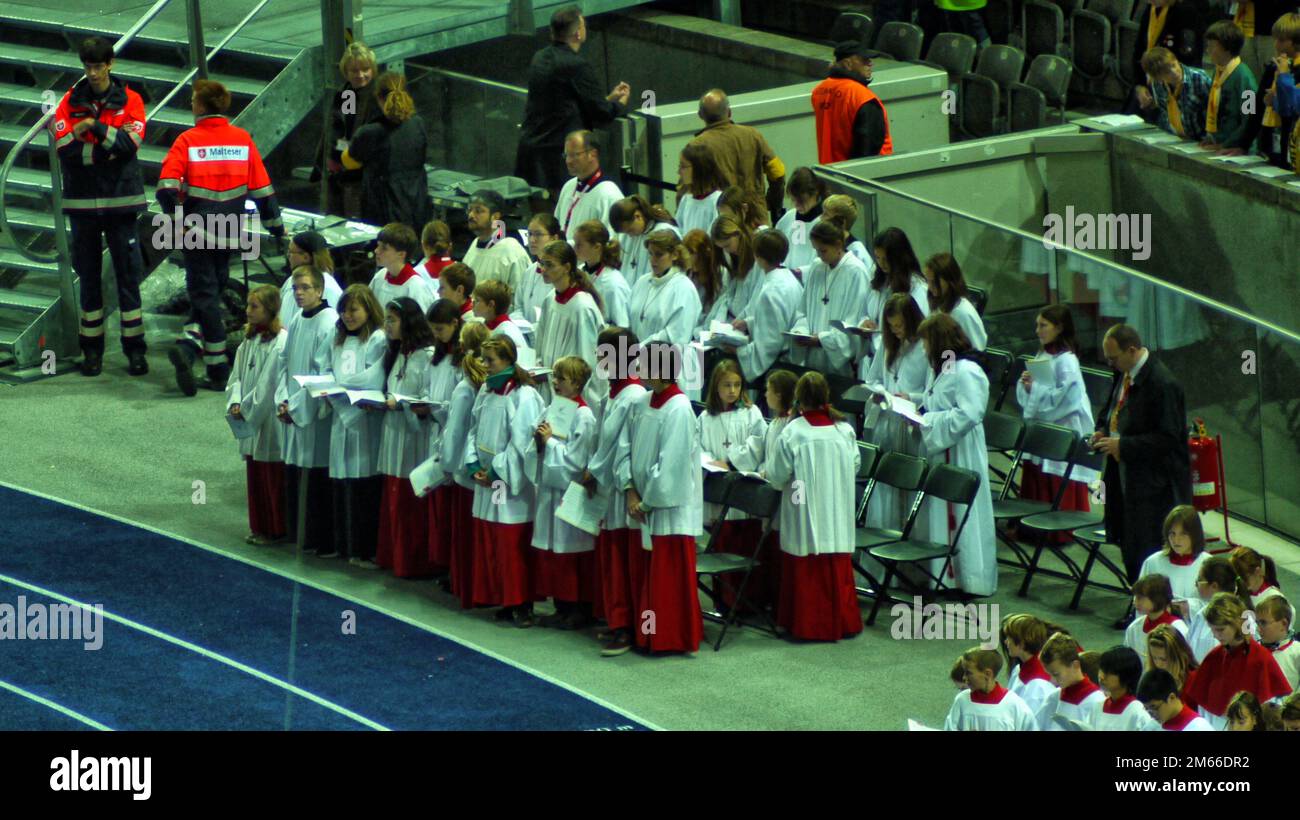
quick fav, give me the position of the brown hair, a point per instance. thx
(357, 53)
(748, 209)
(1245, 704)
(496, 292)
(501, 346)
(436, 236)
(374, 313)
(707, 276)
(941, 334)
(1226, 609)
(950, 282)
(594, 232)
(739, 266)
(1275, 607)
(1155, 61)
(1227, 34)
(905, 307)
(211, 96)
(666, 241)
(1217, 570)
(986, 660)
(393, 96)
(842, 210)
(783, 382)
(268, 296)
(706, 177)
(1125, 336)
(725, 367)
(1156, 588)
(803, 181)
(308, 272)
(472, 337)
(813, 393)
(1061, 647)
(399, 236)
(771, 246)
(459, 275)
(1171, 641)
(1246, 562)
(562, 252)
(1185, 516)
(622, 212)
(572, 368)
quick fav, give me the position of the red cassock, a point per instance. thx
(403, 543)
(620, 567)
(266, 499)
(502, 556)
(457, 508)
(1036, 485)
(738, 538)
(667, 611)
(567, 576)
(1246, 668)
(819, 600)
(437, 506)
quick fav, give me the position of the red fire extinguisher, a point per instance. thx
(1206, 490)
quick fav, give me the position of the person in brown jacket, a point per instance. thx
(742, 154)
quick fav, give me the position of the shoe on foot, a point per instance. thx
(367, 564)
(137, 364)
(553, 621)
(523, 618)
(505, 613)
(617, 646)
(184, 365)
(92, 363)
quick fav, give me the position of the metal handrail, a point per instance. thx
(27, 138)
(195, 70)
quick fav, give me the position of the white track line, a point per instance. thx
(199, 650)
(347, 597)
(32, 696)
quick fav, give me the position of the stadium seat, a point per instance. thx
(852, 26)
(953, 53)
(1092, 36)
(1047, 84)
(899, 41)
(982, 92)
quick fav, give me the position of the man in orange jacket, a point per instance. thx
(851, 119)
(208, 174)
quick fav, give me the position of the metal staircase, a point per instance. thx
(38, 63)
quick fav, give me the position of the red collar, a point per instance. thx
(1260, 591)
(596, 271)
(1167, 618)
(616, 385)
(1075, 693)
(1032, 669)
(585, 185)
(1181, 560)
(493, 324)
(467, 308)
(999, 692)
(402, 277)
(564, 297)
(1117, 707)
(818, 418)
(658, 400)
(1282, 646)
(434, 265)
(505, 389)
(581, 402)
(1179, 722)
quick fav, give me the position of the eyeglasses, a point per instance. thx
(567, 155)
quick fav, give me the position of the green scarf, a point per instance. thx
(497, 381)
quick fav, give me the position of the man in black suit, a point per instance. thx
(1143, 430)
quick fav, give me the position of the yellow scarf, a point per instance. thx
(1245, 18)
(1271, 118)
(1175, 116)
(1295, 148)
(1156, 25)
(1212, 109)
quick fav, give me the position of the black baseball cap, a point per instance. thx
(848, 48)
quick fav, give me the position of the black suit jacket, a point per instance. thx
(563, 96)
(1154, 472)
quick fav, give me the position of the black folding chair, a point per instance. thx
(979, 297)
(945, 482)
(757, 499)
(997, 364)
(904, 473)
(1093, 539)
(1051, 442)
(1098, 384)
(1046, 525)
(1003, 435)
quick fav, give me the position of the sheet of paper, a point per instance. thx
(1118, 120)
(793, 335)
(1190, 148)
(1041, 370)
(314, 381)
(427, 476)
(578, 510)
(1159, 138)
(369, 396)
(706, 461)
(722, 333)
(561, 415)
(321, 390)
(1269, 171)
(526, 358)
(1244, 159)
(415, 400)
(905, 408)
(240, 427)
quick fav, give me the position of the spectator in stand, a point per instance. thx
(1179, 93)
(1226, 126)
(1273, 123)
(1256, 18)
(743, 156)
(354, 106)
(1175, 25)
(390, 153)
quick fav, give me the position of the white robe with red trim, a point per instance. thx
(815, 468)
(561, 462)
(661, 460)
(998, 711)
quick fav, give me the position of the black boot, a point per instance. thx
(216, 378)
(182, 358)
(137, 365)
(92, 362)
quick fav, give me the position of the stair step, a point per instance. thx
(15, 260)
(149, 155)
(68, 61)
(8, 338)
(25, 218)
(33, 98)
(30, 302)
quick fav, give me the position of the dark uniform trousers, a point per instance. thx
(128, 267)
(207, 271)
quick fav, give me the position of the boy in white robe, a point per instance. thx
(1121, 670)
(396, 277)
(1076, 695)
(1151, 598)
(1158, 693)
(492, 301)
(806, 193)
(986, 706)
(834, 288)
(456, 284)
(659, 473)
(494, 254)
(307, 429)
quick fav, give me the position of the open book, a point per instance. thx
(854, 329)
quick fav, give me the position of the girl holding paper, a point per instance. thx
(403, 541)
(457, 496)
(250, 397)
(444, 375)
(1061, 400)
(771, 310)
(897, 271)
(835, 287)
(564, 558)
(735, 244)
(505, 415)
(665, 305)
(357, 363)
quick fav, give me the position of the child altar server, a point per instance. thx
(601, 259)
(457, 502)
(1077, 695)
(772, 309)
(492, 302)
(834, 289)
(987, 706)
(573, 316)
(394, 247)
(665, 306)
(444, 376)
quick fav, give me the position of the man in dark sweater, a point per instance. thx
(563, 96)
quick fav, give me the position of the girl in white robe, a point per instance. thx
(806, 193)
(533, 289)
(1183, 553)
(735, 245)
(307, 428)
(634, 219)
(250, 396)
(1023, 636)
(1064, 402)
(492, 303)
(834, 289)
(897, 271)
(456, 504)
(817, 460)
(564, 558)
(772, 309)
(952, 432)
(843, 211)
(729, 421)
(659, 469)
(357, 363)
(444, 375)
(621, 563)
(403, 543)
(699, 187)
(601, 258)
(665, 307)
(987, 706)
(572, 318)
(946, 290)
(505, 416)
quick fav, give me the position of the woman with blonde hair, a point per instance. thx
(1238, 664)
(390, 153)
(353, 107)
